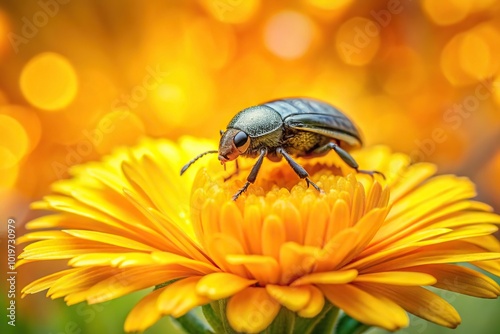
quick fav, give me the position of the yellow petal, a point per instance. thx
(315, 304)
(273, 236)
(339, 220)
(78, 282)
(332, 277)
(293, 221)
(180, 297)
(110, 239)
(265, 269)
(251, 310)
(132, 279)
(119, 260)
(221, 285)
(252, 220)
(219, 246)
(231, 223)
(397, 278)
(165, 258)
(45, 282)
(293, 298)
(317, 224)
(462, 280)
(365, 307)
(296, 260)
(145, 314)
(411, 178)
(337, 249)
(418, 301)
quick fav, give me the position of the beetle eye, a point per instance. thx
(241, 141)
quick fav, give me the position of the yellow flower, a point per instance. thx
(368, 245)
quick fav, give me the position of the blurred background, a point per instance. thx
(78, 78)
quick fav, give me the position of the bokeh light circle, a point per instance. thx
(446, 12)
(289, 34)
(330, 4)
(358, 41)
(49, 82)
(15, 141)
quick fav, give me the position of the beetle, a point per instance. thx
(301, 127)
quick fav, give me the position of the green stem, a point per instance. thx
(192, 324)
(348, 325)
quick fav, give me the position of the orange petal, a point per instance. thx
(221, 285)
(265, 269)
(397, 278)
(252, 220)
(144, 314)
(418, 301)
(219, 246)
(365, 307)
(339, 220)
(231, 223)
(273, 235)
(293, 298)
(180, 297)
(461, 279)
(332, 277)
(296, 260)
(317, 224)
(45, 282)
(293, 221)
(251, 310)
(132, 279)
(315, 304)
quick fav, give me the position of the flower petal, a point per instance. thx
(251, 310)
(265, 269)
(221, 285)
(332, 277)
(219, 246)
(145, 314)
(315, 304)
(418, 301)
(365, 307)
(397, 278)
(273, 235)
(180, 297)
(461, 279)
(293, 298)
(296, 260)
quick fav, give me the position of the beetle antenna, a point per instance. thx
(186, 166)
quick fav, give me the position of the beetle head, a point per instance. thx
(233, 142)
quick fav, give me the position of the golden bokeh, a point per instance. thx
(358, 41)
(49, 82)
(289, 34)
(15, 141)
(422, 77)
(447, 12)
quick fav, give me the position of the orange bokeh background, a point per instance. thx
(78, 78)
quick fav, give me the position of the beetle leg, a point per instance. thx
(301, 172)
(186, 166)
(253, 174)
(346, 157)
